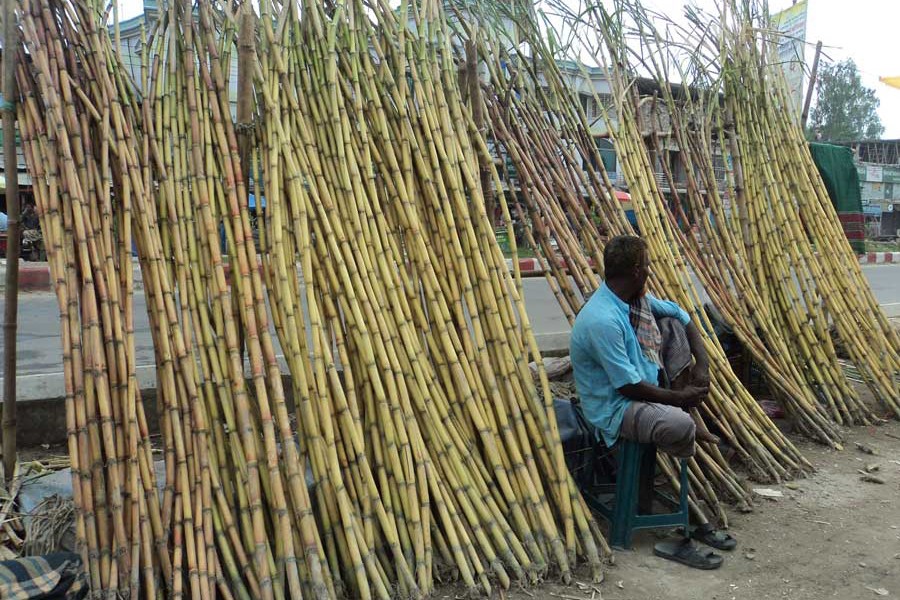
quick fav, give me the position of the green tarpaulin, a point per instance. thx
(835, 164)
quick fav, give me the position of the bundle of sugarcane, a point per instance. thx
(693, 123)
(537, 124)
(390, 214)
(792, 222)
(420, 430)
(671, 266)
(255, 535)
(77, 120)
(561, 196)
(414, 378)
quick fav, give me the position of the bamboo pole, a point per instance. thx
(13, 238)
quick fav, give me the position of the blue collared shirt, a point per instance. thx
(606, 356)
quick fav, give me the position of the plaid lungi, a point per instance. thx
(57, 576)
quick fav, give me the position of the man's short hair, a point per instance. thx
(622, 255)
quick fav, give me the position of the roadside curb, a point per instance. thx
(531, 267)
(33, 279)
(879, 258)
(527, 266)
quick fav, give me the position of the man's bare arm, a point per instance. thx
(700, 371)
(687, 397)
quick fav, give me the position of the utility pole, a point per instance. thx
(812, 85)
(246, 59)
(11, 171)
(474, 84)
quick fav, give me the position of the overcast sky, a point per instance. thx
(868, 31)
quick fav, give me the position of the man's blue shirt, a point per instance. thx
(606, 356)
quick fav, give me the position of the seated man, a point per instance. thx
(631, 356)
(620, 358)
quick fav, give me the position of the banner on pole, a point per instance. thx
(791, 25)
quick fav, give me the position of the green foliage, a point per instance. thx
(845, 109)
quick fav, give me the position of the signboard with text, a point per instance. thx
(874, 173)
(878, 173)
(791, 24)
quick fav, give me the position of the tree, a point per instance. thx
(845, 109)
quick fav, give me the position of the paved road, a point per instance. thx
(547, 317)
(40, 359)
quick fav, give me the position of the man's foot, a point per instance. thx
(709, 535)
(703, 435)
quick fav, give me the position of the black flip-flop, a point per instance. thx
(709, 535)
(685, 552)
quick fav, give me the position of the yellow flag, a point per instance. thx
(891, 81)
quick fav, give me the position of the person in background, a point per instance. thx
(30, 217)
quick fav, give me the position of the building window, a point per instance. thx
(587, 104)
(607, 154)
(606, 101)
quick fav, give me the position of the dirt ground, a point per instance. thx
(834, 536)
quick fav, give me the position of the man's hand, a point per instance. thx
(692, 395)
(700, 375)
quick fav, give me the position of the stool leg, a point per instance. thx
(626, 496)
(646, 475)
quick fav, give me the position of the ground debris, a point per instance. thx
(593, 590)
(11, 529)
(565, 596)
(864, 448)
(869, 478)
(768, 493)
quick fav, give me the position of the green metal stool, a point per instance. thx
(630, 506)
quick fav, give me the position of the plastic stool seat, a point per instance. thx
(633, 494)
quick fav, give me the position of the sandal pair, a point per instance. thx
(688, 553)
(684, 551)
